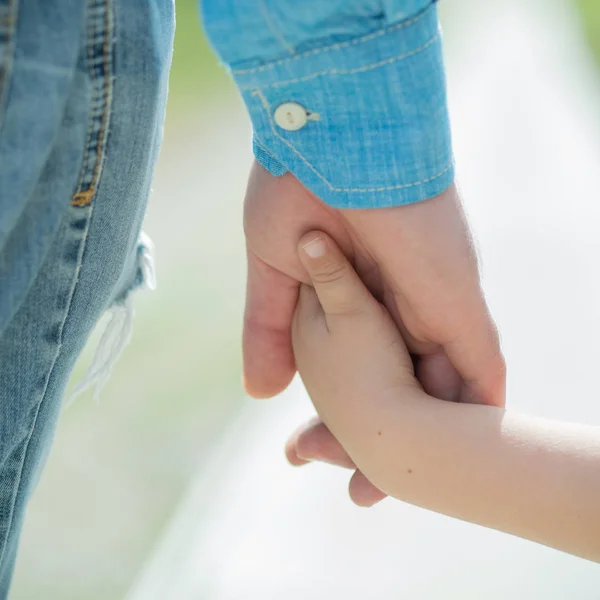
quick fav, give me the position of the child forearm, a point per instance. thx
(531, 477)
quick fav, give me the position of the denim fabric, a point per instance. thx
(369, 74)
(82, 96)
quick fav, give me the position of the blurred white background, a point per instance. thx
(175, 486)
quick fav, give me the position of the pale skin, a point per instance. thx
(417, 259)
(531, 477)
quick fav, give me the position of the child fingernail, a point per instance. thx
(305, 447)
(315, 248)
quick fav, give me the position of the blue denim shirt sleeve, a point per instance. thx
(368, 79)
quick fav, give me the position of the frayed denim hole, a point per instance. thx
(117, 333)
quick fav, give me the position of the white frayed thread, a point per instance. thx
(119, 329)
(146, 258)
(113, 341)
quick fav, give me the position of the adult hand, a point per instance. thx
(417, 259)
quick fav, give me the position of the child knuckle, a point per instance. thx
(330, 273)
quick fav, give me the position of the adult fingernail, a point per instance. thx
(315, 248)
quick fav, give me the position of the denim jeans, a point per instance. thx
(82, 98)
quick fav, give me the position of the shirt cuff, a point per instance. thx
(362, 123)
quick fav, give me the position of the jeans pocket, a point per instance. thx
(98, 64)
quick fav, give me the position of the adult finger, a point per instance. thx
(426, 254)
(267, 344)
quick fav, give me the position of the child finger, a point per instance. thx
(363, 492)
(316, 442)
(340, 291)
(291, 451)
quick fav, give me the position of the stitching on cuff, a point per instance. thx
(262, 147)
(276, 31)
(332, 188)
(269, 155)
(334, 71)
(335, 47)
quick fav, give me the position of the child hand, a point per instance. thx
(349, 353)
(527, 476)
(343, 337)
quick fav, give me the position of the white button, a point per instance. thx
(291, 116)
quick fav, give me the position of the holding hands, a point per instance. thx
(401, 359)
(531, 477)
(417, 260)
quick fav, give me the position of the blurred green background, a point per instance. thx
(590, 19)
(120, 466)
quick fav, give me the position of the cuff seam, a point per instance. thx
(334, 47)
(361, 69)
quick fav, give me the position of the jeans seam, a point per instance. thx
(8, 21)
(19, 480)
(332, 187)
(100, 67)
